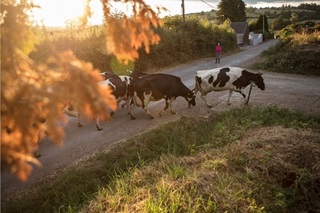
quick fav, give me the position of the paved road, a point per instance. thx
(295, 92)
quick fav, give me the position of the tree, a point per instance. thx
(279, 23)
(34, 94)
(262, 23)
(232, 9)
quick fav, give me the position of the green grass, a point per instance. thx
(190, 165)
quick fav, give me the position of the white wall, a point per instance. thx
(255, 39)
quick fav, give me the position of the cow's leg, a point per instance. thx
(147, 111)
(70, 111)
(130, 108)
(197, 86)
(165, 108)
(204, 97)
(124, 104)
(99, 128)
(170, 105)
(35, 152)
(243, 95)
(145, 102)
(78, 120)
(112, 112)
(196, 89)
(135, 100)
(230, 93)
(145, 107)
(128, 100)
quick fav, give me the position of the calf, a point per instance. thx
(228, 78)
(155, 87)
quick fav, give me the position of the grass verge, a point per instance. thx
(252, 160)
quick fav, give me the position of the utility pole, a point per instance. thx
(182, 6)
(263, 24)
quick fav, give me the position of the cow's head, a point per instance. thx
(258, 80)
(191, 98)
(106, 75)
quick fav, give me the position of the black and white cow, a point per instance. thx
(159, 86)
(228, 78)
(119, 90)
(119, 86)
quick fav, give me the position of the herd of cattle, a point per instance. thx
(140, 89)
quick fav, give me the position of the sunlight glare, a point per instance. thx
(57, 13)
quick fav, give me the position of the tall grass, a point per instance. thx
(189, 165)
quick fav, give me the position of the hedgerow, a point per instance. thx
(181, 41)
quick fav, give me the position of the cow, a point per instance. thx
(155, 87)
(119, 91)
(227, 78)
(119, 86)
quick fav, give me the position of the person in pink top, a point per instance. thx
(218, 52)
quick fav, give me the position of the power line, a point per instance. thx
(207, 4)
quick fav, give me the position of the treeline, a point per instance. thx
(286, 15)
(180, 42)
(312, 6)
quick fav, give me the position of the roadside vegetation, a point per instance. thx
(180, 42)
(244, 160)
(296, 53)
(298, 49)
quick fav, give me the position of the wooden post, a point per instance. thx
(247, 101)
(182, 6)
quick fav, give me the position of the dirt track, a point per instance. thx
(295, 92)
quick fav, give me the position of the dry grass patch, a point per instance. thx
(271, 169)
(287, 160)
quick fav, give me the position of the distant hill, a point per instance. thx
(312, 13)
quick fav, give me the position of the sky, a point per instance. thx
(55, 13)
